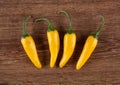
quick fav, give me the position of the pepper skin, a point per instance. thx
(29, 46)
(69, 42)
(53, 41)
(89, 46)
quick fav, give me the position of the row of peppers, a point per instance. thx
(54, 43)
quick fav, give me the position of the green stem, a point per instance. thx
(50, 25)
(100, 27)
(24, 26)
(69, 21)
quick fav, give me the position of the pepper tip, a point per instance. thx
(60, 65)
(39, 67)
(51, 66)
(77, 67)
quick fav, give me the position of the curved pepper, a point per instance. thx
(53, 40)
(89, 46)
(69, 42)
(29, 46)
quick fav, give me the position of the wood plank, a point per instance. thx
(103, 68)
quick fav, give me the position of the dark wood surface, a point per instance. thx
(103, 68)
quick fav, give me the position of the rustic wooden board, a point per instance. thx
(103, 68)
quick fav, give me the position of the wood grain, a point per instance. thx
(103, 68)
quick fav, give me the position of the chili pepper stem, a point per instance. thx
(24, 26)
(100, 27)
(69, 21)
(50, 25)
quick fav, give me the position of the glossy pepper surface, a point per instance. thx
(69, 42)
(29, 46)
(89, 46)
(53, 41)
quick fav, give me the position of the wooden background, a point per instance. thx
(103, 68)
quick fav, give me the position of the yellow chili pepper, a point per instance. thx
(53, 41)
(89, 46)
(69, 42)
(29, 46)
